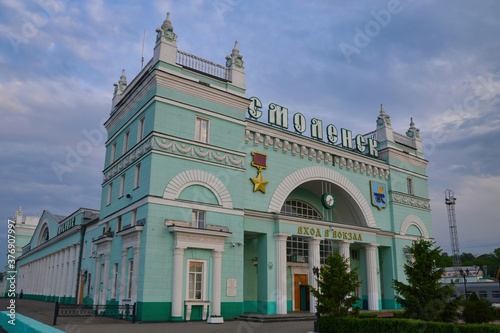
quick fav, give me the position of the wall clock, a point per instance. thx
(328, 200)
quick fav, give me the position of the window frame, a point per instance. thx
(292, 204)
(122, 185)
(204, 268)
(410, 186)
(133, 218)
(137, 176)
(119, 223)
(126, 139)
(110, 193)
(130, 275)
(195, 219)
(113, 153)
(115, 281)
(140, 129)
(198, 134)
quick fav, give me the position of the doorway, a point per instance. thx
(301, 292)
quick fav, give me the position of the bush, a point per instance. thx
(478, 310)
(354, 325)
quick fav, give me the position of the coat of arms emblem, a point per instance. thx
(378, 194)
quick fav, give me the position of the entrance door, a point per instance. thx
(301, 292)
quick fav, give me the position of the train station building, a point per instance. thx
(214, 205)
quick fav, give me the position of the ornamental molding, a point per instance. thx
(410, 200)
(316, 152)
(416, 221)
(180, 147)
(198, 177)
(128, 159)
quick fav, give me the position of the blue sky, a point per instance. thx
(435, 61)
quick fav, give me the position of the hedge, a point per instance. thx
(396, 325)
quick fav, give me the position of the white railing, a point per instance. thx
(372, 135)
(404, 140)
(202, 65)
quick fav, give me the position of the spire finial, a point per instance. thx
(382, 111)
(235, 49)
(167, 25)
(123, 78)
(412, 124)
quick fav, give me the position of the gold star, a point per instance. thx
(259, 183)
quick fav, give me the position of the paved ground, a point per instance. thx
(44, 312)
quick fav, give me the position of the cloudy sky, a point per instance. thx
(435, 61)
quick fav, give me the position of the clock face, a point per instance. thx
(328, 200)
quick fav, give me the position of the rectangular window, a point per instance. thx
(137, 176)
(134, 217)
(297, 249)
(195, 283)
(113, 153)
(118, 223)
(122, 185)
(483, 294)
(110, 191)
(495, 294)
(115, 280)
(140, 130)
(409, 182)
(130, 274)
(325, 250)
(201, 131)
(199, 219)
(125, 141)
(84, 249)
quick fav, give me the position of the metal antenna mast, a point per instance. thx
(450, 205)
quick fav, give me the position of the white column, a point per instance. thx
(344, 251)
(216, 282)
(314, 261)
(59, 273)
(64, 276)
(135, 279)
(105, 276)
(97, 278)
(123, 288)
(35, 273)
(371, 275)
(177, 283)
(70, 277)
(281, 299)
(42, 275)
(54, 275)
(76, 278)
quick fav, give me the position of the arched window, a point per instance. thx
(300, 209)
(44, 235)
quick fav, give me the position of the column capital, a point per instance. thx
(217, 253)
(371, 245)
(179, 250)
(281, 236)
(314, 240)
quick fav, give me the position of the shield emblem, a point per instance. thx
(378, 194)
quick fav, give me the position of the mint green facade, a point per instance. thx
(193, 225)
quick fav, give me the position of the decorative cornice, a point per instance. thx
(409, 200)
(181, 147)
(312, 151)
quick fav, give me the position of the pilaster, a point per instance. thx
(314, 261)
(371, 275)
(281, 296)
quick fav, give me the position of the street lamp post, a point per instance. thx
(316, 272)
(464, 275)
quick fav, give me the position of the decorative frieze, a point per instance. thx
(130, 158)
(410, 200)
(191, 150)
(315, 154)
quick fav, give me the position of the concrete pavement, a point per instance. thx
(44, 312)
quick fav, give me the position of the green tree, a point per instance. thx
(336, 286)
(478, 310)
(424, 297)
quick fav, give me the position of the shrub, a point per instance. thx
(478, 310)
